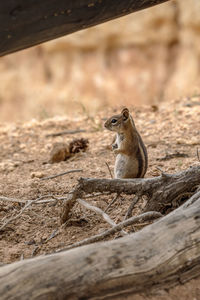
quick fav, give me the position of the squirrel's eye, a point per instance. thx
(113, 121)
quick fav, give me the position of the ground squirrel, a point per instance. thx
(132, 159)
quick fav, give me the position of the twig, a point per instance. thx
(95, 195)
(65, 132)
(173, 155)
(99, 237)
(22, 257)
(45, 201)
(61, 174)
(109, 169)
(28, 203)
(37, 201)
(35, 250)
(17, 216)
(2, 198)
(54, 234)
(54, 199)
(37, 247)
(45, 196)
(163, 174)
(98, 211)
(12, 200)
(69, 204)
(198, 156)
(42, 216)
(131, 207)
(112, 202)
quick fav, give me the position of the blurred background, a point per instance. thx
(145, 58)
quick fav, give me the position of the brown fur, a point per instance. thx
(131, 160)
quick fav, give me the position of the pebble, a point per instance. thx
(37, 174)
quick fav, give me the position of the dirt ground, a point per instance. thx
(167, 130)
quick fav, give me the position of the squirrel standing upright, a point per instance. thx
(132, 158)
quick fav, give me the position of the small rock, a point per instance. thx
(37, 174)
(10, 168)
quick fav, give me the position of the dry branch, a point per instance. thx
(161, 191)
(100, 212)
(28, 204)
(131, 207)
(159, 256)
(62, 174)
(148, 216)
(109, 170)
(65, 132)
(7, 199)
(198, 156)
(112, 202)
(97, 210)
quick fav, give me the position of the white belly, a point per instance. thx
(125, 167)
(120, 166)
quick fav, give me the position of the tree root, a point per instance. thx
(161, 191)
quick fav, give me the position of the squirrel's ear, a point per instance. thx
(125, 114)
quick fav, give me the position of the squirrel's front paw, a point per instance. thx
(116, 151)
(114, 146)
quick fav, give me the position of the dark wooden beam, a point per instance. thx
(25, 23)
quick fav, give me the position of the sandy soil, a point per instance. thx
(24, 156)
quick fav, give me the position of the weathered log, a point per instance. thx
(164, 192)
(159, 256)
(24, 23)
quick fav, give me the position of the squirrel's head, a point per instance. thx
(118, 122)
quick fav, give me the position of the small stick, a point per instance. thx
(28, 203)
(98, 211)
(17, 216)
(198, 156)
(99, 237)
(12, 200)
(111, 203)
(2, 198)
(163, 174)
(42, 217)
(109, 170)
(61, 174)
(37, 201)
(48, 200)
(65, 132)
(45, 201)
(54, 199)
(35, 250)
(22, 257)
(54, 233)
(95, 195)
(131, 207)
